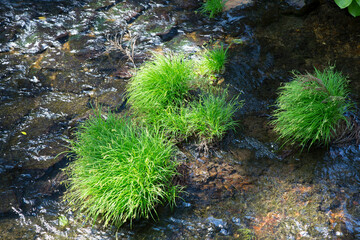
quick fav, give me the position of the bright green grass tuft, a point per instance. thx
(311, 107)
(124, 168)
(212, 116)
(159, 95)
(207, 65)
(212, 7)
(207, 118)
(122, 171)
(160, 83)
(214, 59)
(173, 120)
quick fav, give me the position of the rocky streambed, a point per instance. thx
(60, 58)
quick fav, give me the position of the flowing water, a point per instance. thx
(60, 58)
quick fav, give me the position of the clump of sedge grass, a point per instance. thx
(311, 107)
(160, 83)
(173, 120)
(209, 63)
(214, 59)
(212, 116)
(212, 7)
(122, 171)
(159, 95)
(207, 118)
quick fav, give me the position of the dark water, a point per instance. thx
(57, 59)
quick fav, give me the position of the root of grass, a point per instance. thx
(347, 132)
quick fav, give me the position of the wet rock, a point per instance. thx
(52, 185)
(335, 204)
(261, 150)
(8, 201)
(217, 180)
(237, 3)
(168, 35)
(37, 140)
(181, 178)
(224, 232)
(236, 221)
(188, 4)
(259, 127)
(2, 169)
(341, 165)
(218, 223)
(132, 18)
(270, 15)
(107, 7)
(241, 155)
(300, 7)
(63, 38)
(110, 99)
(124, 73)
(297, 4)
(13, 112)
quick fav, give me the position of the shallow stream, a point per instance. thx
(59, 58)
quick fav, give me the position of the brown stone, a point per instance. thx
(236, 3)
(241, 155)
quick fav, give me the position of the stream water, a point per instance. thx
(59, 58)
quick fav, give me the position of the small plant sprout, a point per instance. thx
(311, 107)
(63, 221)
(212, 7)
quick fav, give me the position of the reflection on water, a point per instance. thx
(56, 62)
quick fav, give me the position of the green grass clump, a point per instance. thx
(173, 120)
(212, 7)
(159, 95)
(214, 59)
(311, 107)
(124, 168)
(208, 65)
(122, 171)
(207, 118)
(212, 116)
(160, 83)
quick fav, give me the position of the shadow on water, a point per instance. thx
(56, 61)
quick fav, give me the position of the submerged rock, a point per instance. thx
(168, 35)
(188, 4)
(8, 201)
(219, 225)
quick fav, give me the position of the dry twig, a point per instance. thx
(128, 48)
